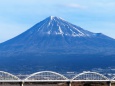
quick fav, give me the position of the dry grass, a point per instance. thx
(60, 84)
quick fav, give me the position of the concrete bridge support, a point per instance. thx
(69, 83)
(21, 83)
(109, 83)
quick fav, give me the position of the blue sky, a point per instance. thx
(16, 16)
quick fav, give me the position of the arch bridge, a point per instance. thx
(8, 77)
(46, 76)
(50, 76)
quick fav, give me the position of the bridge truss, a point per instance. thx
(5, 76)
(50, 76)
(90, 76)
(46, 76)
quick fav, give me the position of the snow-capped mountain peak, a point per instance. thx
(53, 43)
(57, 35)
(58, 26)
(54, 17)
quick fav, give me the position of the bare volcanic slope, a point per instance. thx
(57, 36)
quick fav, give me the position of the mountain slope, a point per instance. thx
(55, 35)
(57, 45)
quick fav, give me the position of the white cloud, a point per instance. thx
(75, 6)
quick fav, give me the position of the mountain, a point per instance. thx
(57, 45)
(55, 35)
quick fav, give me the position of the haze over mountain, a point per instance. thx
(55, 44)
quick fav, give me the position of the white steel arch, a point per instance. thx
(91, 76)
(7, 76)
(46, 76)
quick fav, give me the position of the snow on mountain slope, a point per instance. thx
(57, 26)
(55, 35)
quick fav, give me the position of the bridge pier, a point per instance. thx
(69, 83)
(21, 84)
(109, 83)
